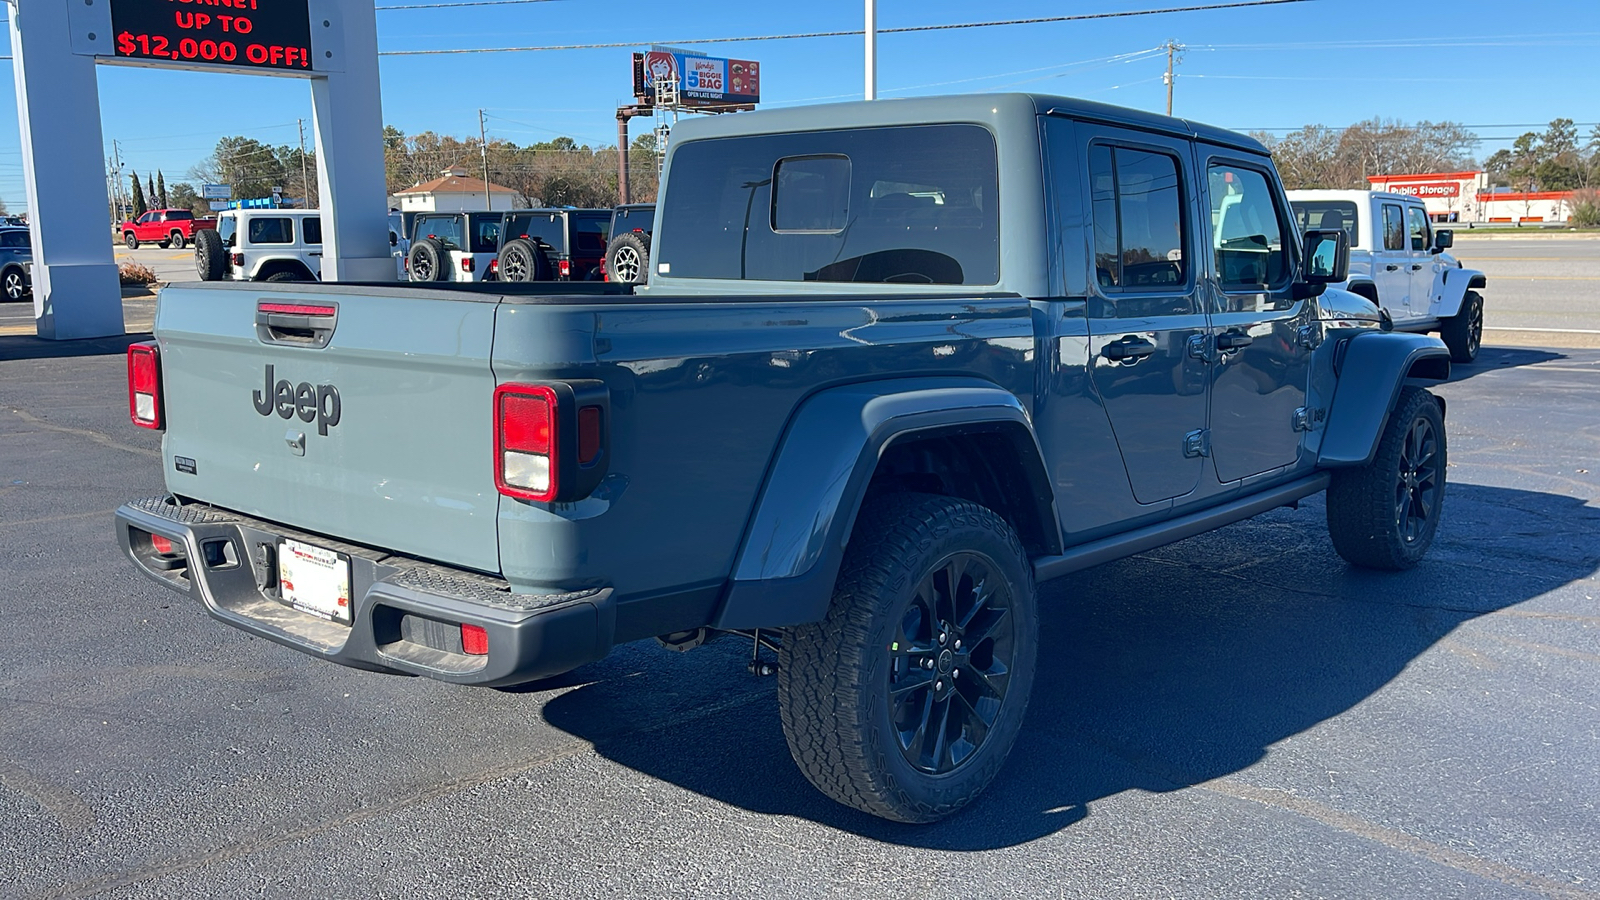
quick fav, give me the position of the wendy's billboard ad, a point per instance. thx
(701, 80)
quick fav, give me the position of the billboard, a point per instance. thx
(701, 80)
(258, 34)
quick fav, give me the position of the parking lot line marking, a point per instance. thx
(45, 519)
(1513, 258)
(1546, 648)
(1548, 330)
(1399, 840)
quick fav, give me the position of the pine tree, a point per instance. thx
(139, 207)
(161, 190)
(150, 194)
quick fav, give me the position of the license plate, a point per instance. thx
(314, 580)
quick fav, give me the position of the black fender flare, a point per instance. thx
(794, 543)
(1372, 368)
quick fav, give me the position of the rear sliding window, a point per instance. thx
(906, 205)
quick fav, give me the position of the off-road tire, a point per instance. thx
(520, 262)
(1463, 332)
(176, 242)
(14, 284)
(633, 248)
(834, 676)
(210, 256)
(129, 241)
(286, 275)
(1369, 507)
(429, 258)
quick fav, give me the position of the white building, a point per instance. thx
(1466, 197)
(456, 191)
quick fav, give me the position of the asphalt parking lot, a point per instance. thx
(1237, 715)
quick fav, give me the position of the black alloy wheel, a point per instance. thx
(950, 663)
(1418, 485)
(1384, 515)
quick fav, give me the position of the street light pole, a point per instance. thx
(872, 49)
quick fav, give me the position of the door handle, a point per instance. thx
(1233, 340)
(1415, 268)
(1128, 347)
(1391, 268)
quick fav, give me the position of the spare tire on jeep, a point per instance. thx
(628, 258)
(428, 260)
(210, 256)
(521, 261)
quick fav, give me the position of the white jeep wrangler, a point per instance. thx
(261, 245)
(1398, 261)
(454, 246)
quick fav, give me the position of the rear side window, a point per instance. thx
(444, 229)
(311, 229)
(271, 230)
(12, 240)
(904, 205)
(1394, 227)
(1138, 220)
(485, 232)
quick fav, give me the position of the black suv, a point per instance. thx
(628, 254)
(553, 244)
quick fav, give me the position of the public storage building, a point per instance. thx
(1465, 197)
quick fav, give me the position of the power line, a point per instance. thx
(464, 3)
(905, 29)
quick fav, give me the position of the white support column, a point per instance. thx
(348, 117)
(75, 288)
(872, 49)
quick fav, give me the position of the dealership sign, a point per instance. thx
(1428, 189)
(701, 80)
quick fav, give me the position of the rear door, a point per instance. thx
(370, 424)
(1147, 328)
(1260, 342)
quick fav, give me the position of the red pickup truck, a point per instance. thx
(173, 228)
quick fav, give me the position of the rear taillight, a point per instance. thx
(566, 268)
(144, 385)
(526, 463)
(467, 264)
(550, 440)
(238, 259)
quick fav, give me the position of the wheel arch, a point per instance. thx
(1375, 365)
(961, 437)
(266, 268)
(1453, 287)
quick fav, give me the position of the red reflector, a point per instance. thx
(296, 309)
(160, 544)
(474, 640)
(588, 434)
(525, 423)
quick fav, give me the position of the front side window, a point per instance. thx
(13, 239)
(272, 230)
(1246, 230)
(902, 205)
(1421, 231)
(1137, 206)
(1394, 227)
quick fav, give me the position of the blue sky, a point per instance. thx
(1269, 67)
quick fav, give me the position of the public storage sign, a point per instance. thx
(1428, 189)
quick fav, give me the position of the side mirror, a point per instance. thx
(1443, 239)
(1327, 257)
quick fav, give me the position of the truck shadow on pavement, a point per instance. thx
(1155, 673)
(15, 347)
(1493, 358)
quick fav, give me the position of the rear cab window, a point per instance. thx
(902, 205)
(1327, 215)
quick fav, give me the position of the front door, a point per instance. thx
(1147, 328)
(1423, 268)
(1261, 348)
(1391, 261)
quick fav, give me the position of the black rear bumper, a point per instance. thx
(405, 614)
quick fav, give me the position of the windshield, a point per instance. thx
(1326, 215)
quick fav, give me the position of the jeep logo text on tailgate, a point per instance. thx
(308, 401)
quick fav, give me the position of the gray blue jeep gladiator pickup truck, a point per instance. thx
(897, 363)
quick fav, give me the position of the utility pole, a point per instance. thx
(305, 181)
(872, 49)
(1173, 47)
(116, 155)
(483, 147)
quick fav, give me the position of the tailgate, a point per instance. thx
(371, 424)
